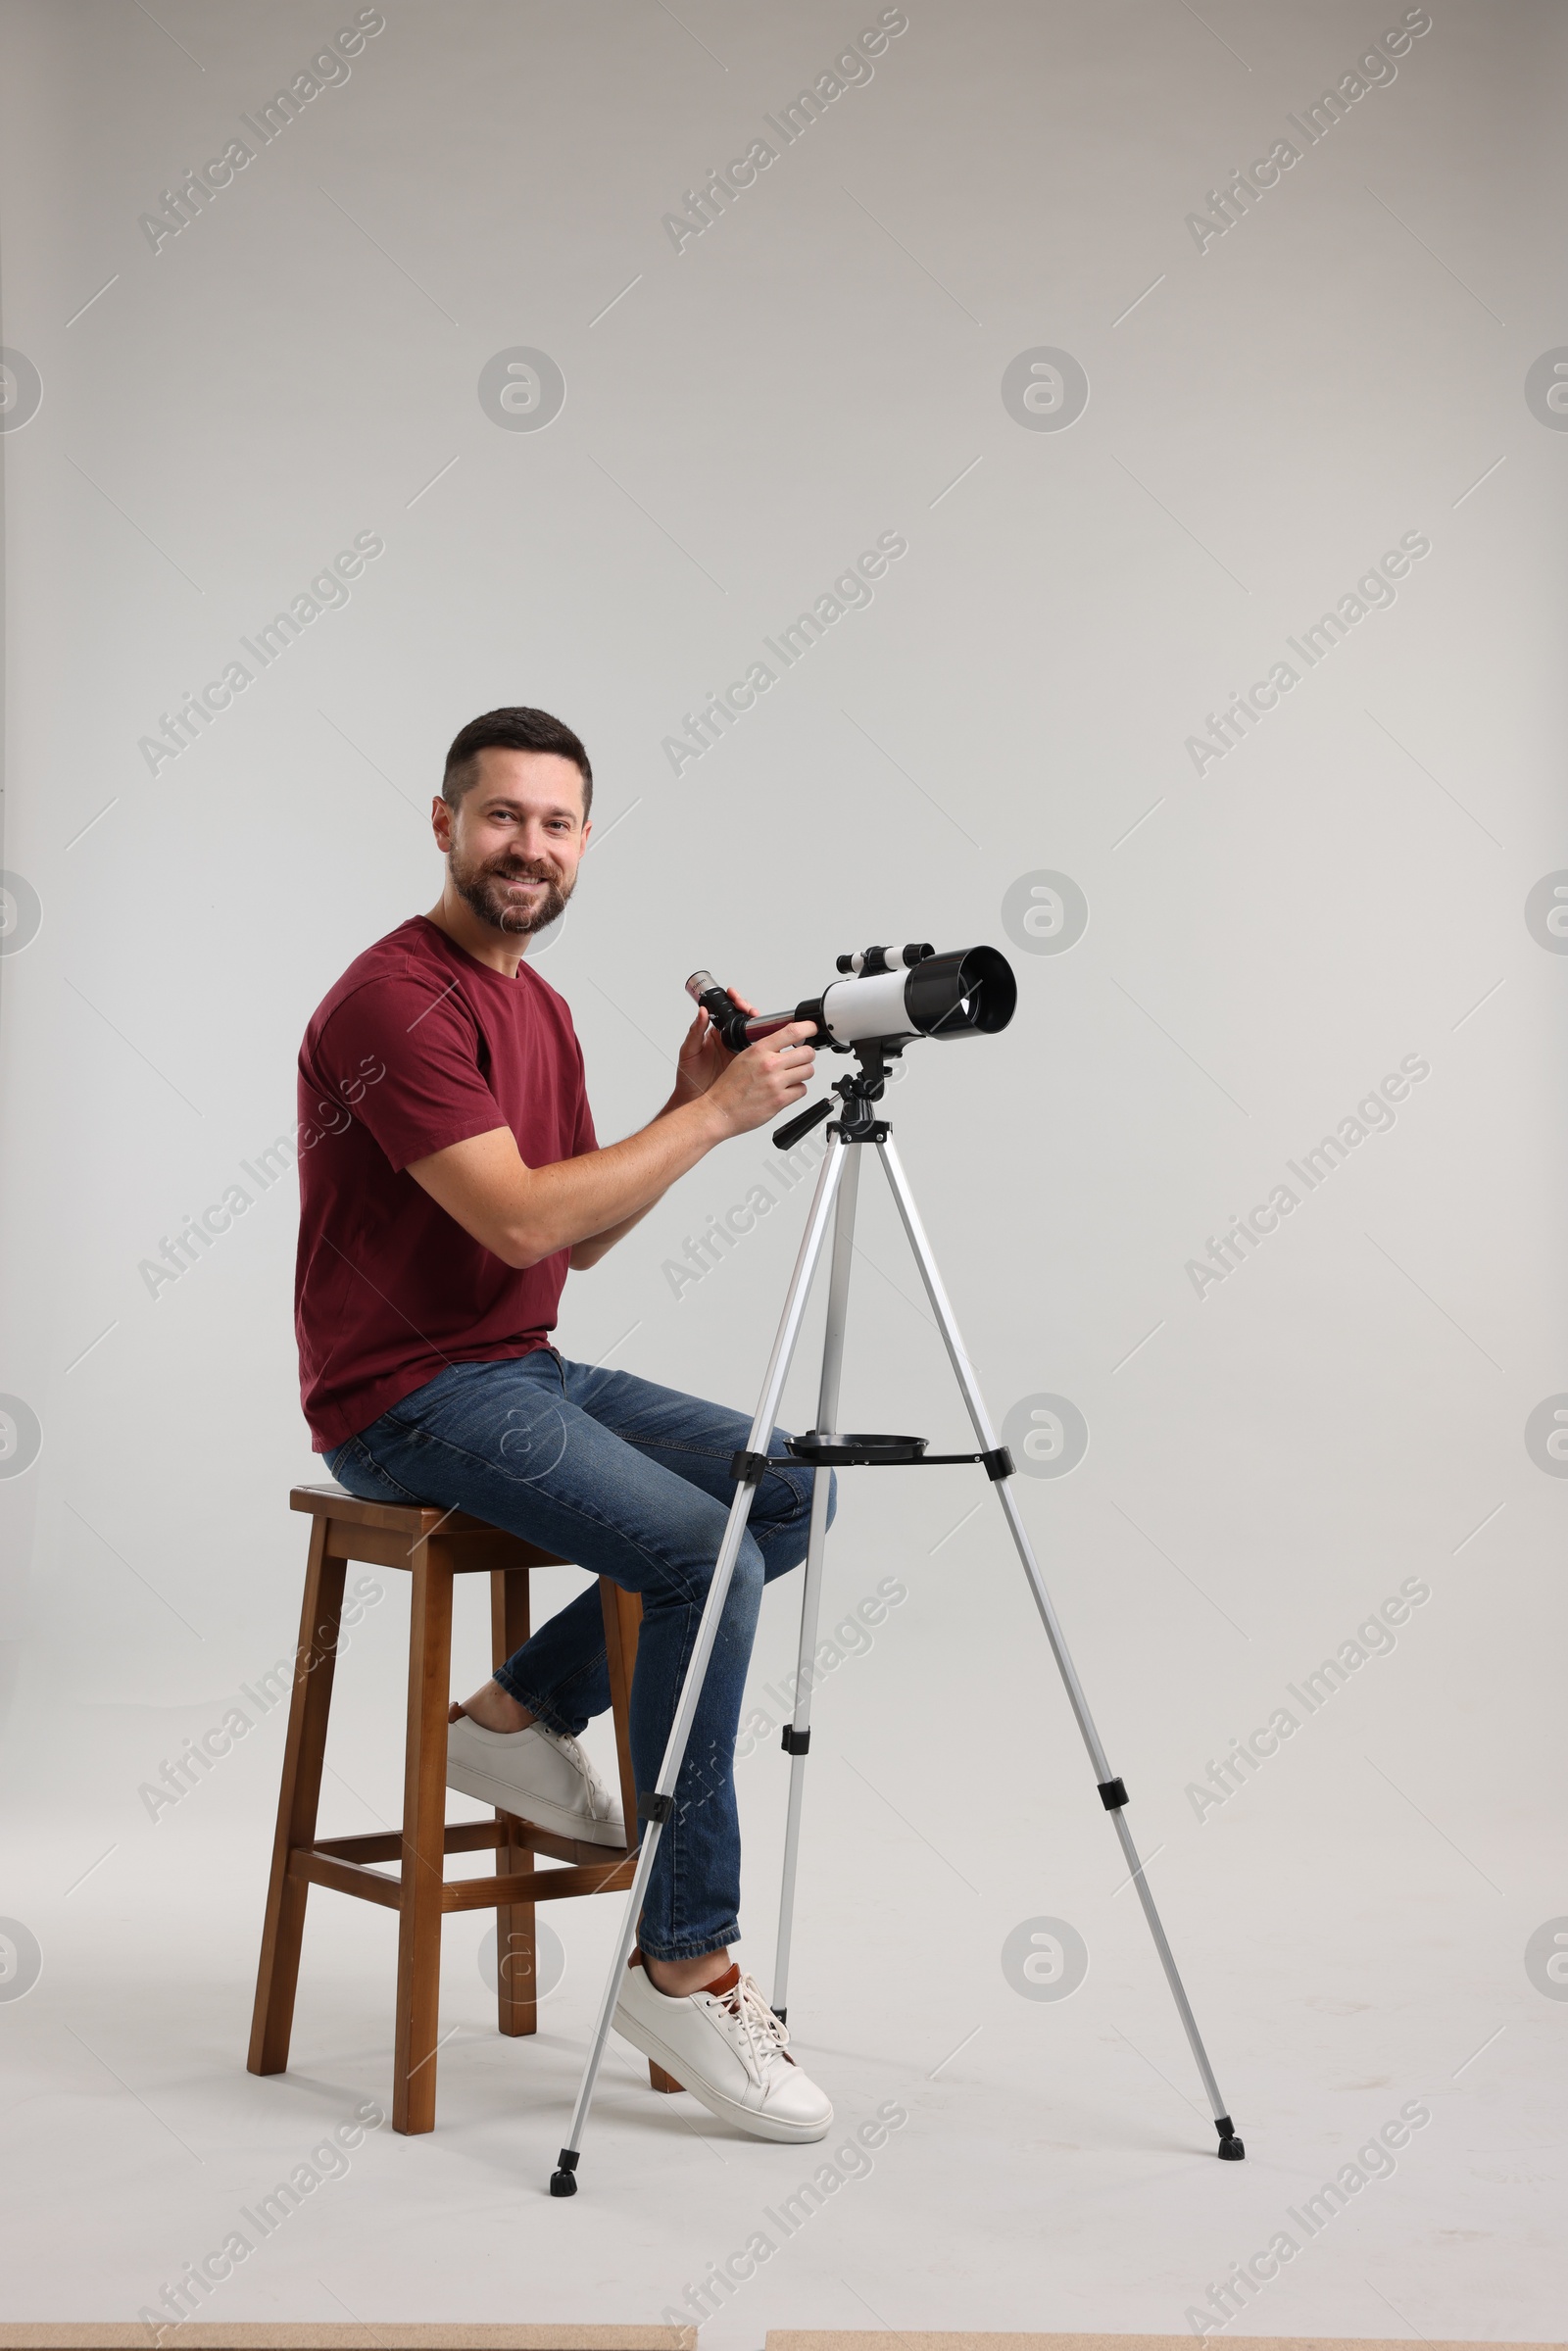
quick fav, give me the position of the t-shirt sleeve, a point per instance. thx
(404, 1056)
(583, 1137)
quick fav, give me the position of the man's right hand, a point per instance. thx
(767, 1079)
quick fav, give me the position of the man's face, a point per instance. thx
(514, 843)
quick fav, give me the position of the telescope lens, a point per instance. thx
(969, 993)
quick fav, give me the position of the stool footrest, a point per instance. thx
(386, 1844)
(610, 1876)
(317, 1865)
(465, 1837)
(345, 1877)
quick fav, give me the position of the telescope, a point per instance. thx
(887, 998)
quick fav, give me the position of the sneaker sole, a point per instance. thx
(522, 1806)
(744, 2118)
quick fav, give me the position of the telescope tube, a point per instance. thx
(970, 992)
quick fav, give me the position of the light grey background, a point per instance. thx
(1265, 1463)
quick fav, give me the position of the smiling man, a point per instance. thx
(436, 1232)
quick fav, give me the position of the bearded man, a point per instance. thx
(436, 1232)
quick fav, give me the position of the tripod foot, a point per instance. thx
(563, 2181)
(1231, 2149)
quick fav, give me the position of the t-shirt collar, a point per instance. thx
(449, 946)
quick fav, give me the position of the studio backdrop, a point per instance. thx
(1082, 479)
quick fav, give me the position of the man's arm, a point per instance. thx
(522, 1213)
(704, 1059)
(588, 1252)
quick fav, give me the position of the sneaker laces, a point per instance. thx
(600, 1802)
(760, 2037)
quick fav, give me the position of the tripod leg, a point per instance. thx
(798, 1736)
(1112, 1794)
(660, 1802)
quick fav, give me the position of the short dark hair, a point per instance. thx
(512, 730)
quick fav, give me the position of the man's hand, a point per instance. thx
(768, 1077)
(704, 1056)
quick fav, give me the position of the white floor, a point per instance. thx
(1055, 2169)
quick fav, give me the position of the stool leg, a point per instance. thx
(516, 1952)
(623, 1616)
(517, 1960)
(298, 1799)
(424, 1806)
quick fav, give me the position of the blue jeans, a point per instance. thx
(629, 1480)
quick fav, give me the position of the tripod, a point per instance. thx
(835, 1199)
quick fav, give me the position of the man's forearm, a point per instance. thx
(586, 1254)
(586, 1203)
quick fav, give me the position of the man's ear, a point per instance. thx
(441, 814)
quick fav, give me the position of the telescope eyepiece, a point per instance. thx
(725, 1015)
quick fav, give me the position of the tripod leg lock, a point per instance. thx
(747, 1468)
(1112, 1794)
(652, 1806)
(998, 1464)
(795, 1743)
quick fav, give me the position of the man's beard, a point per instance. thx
(484, 889)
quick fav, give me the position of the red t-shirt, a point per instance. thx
(419, 1046)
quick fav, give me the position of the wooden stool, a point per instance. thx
(433, 1545)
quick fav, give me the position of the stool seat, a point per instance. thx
(432, 1546)
(415, 1522)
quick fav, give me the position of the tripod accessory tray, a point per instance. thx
(869, 1452)
(866, 1453)
(876, 1453)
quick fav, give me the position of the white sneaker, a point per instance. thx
(537, 1774)
(727, 2047)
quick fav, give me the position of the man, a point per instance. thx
(436, 1230)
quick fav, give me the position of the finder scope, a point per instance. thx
(889, 996)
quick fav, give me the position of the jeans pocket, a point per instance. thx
(357, 1472)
